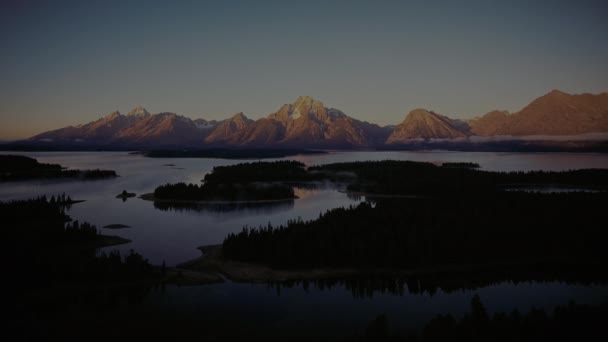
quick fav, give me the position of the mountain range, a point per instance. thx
(307, 123)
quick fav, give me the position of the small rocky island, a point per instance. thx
(124, 195)
(116, 226)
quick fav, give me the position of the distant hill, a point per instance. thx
(556, 113)
(424, 124)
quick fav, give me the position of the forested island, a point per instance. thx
(257, 181)
(14, 167)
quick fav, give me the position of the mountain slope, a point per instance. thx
(136, 128)
(556, 113)
(160, 129)
(307, 123)
(98, 131)
(227, 131)
(491, 123)
(421, 123)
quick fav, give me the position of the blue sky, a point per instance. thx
(70, 62)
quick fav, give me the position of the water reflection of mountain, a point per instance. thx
(261, 207)
(366, 286)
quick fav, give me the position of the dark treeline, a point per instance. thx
(572, 322)
(224, 192)
(503, 146)
(45, 247)
(14, 167)
(278, 171)
(512, 227)
(466, 165)
(410, 178)
(63, 199)
(43, 221)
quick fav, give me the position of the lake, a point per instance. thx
(172, 235)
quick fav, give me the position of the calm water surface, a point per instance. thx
(173, 235)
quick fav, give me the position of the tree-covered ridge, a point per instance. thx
(430, 232)
(13, 167)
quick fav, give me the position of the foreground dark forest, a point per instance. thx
(47, 248)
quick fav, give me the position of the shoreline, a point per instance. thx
(103, 241)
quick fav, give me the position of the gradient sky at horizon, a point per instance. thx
(70, 62)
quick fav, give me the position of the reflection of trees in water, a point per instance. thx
(366, 286)
(219, 208)
(571, 322)
(305, 189)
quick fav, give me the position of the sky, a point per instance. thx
(70, 62)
